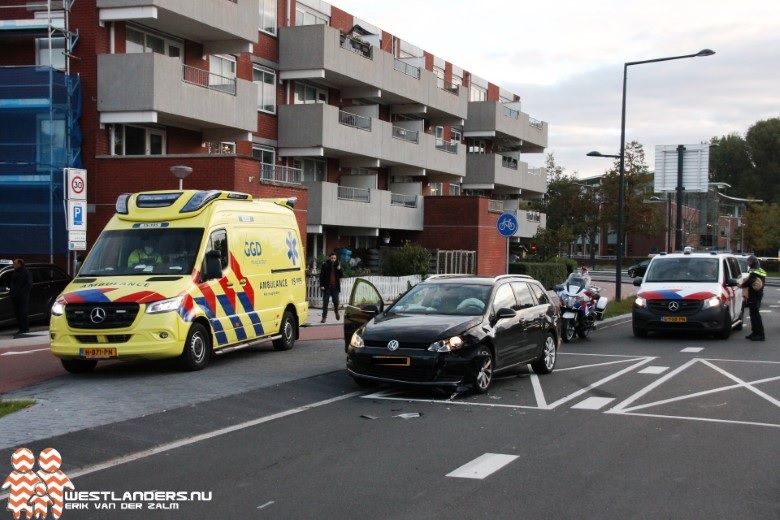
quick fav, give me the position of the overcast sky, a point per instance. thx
(565, 59)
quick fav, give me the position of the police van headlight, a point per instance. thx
(710, 302)
(640, 302)
(58, 309)
(171, 304)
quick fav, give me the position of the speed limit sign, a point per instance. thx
(76, 182)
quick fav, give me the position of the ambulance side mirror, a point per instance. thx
(213, 266)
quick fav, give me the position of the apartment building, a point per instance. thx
(381, 141)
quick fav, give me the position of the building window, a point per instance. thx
(312, 170)
(437, 189)
(51, 150)
(439, 73)
(222, 72)
(138, 40)
(305, 15)
(307, 94)
(475, 146)
(268, 16)
(456, 135)
(267, 157)
(220, 148)
(265, 80)
(477, 93)
(137, 140)
(454, 189)
(57, 57)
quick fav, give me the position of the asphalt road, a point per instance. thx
(664, 427)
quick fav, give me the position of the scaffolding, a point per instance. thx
(40, 105)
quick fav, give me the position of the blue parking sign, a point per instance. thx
(78, 216)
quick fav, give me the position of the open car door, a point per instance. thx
(365, 302)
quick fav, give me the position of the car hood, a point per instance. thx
(679, 290)
(417, 328)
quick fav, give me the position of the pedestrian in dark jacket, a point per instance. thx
(330, 285)
(21, 286)
(755, 292)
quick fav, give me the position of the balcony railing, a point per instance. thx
(446, 146)
(408, 201)
(355, 120)
(509, 162)
(355, 194)
(495, 206)
(409, 70)
(282, 174)
(533, 216)
(511, 113)
(358, 47)
(209, 80)
(449, 87)
(535, 123)
(413, 136)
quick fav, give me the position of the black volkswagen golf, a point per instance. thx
(451, 331)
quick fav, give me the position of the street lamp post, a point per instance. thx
(622, 157)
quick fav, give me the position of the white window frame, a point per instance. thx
(268, 16)
(477, 93)
(312, 170)
(319, 95)
(58, 46)
(437, 189)
(117, 140)
(48, 141)
(173, 48)
(305, 15)
(266, 90)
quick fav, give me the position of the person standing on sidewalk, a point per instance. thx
(21, 286)
(330, 285)
(755, 292)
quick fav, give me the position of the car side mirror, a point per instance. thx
(638, 282)
(732, 282)
(371, 309)
(504, 313)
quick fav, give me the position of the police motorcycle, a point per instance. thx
(581, 305)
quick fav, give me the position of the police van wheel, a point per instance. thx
(287, 332)
(78, 366)
(197, 348)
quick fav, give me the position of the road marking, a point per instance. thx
(654, 370)
(692, 349)
(17, 353)
(483, 466)
(541, 402)
(593, 403)
(208, 435)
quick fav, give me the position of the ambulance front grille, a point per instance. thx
(101, 315)
(109, 338)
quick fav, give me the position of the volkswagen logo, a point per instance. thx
(393, 345)
(97, 315)
(673, 306)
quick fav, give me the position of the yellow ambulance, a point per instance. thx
(184, 274)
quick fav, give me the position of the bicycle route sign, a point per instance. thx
(507, 224)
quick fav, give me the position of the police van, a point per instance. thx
(690, 292)
(184, 274)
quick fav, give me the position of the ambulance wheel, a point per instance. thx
(197, 349)
(287, 332)
(78, 366)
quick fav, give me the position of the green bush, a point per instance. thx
(407, 260)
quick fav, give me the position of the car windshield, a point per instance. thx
(683, 270)
(143, 251)
(432, 298)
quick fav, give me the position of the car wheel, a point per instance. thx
(725, 331)
(197, 348)
(287, 330)
(568, 330)
(640, 333)
(546, 362)
(483, 374)
(78, 366)
(631, 273)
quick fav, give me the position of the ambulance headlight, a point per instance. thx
(171, 304)
(58, 309)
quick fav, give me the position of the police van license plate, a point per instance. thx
(674, 319)
(98, 352)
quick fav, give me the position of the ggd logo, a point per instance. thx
(252, 249)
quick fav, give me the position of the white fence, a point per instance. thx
(388, 286)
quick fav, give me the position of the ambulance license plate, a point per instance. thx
(397, 361)
(674, 319)
(98, 352)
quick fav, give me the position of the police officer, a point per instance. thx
(755, 292)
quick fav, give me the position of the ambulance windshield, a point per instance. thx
(143, 251)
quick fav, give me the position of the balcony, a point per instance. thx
(152, 88)
(322, 55)
(509, 128)
(319, 130)
(223, 26)
(503, 174)
(333, 205)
